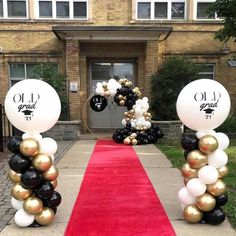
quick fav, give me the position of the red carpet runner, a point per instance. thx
(116, 197)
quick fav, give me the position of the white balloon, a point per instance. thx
(183, 206)
(16, 204)
(185, 197)
(196, 187)
(32, 106)
(218, 158)
(26, 135)
(48, 146)
(23, 219)
(123, 122)
(38, 137)
(223, 140)
(53, 158)
(203, 104)
(208, 174)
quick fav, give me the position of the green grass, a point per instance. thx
(175, 154)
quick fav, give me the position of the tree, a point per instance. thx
(49, 74)
(174, 74)
(227, 10)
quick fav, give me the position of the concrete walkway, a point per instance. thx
(166, 180)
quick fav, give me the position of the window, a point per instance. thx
(62, 9)
(201, 9)
(160, 9)
(207, 71)
(13, 9)
(20, 71)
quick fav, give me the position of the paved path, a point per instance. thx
(166, 180)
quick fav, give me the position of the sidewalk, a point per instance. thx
(166, 180)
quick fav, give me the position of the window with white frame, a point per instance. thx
(201, 10)
(20, 71)
(62, 9)
(14, 9)
(160, 9)
(207, 71)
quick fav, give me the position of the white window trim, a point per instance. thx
(195, 11)
(5, 10)
(54, 10)
(152, 15)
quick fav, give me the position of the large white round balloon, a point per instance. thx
(23, 219)
(32, 106)
(185, 197)
(203, 104)
(208, 174)
(196, 187)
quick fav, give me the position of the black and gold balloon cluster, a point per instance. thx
(205, 191)
(35, 179)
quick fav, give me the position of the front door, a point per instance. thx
(112, 115)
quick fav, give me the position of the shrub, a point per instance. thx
(229, 126)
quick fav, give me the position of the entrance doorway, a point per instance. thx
(103, 71)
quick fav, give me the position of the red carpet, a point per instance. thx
(116, 197)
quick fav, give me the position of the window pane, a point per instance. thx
(13, 82)
(202, 8)
(80, 9)
(206, 76)
(161, 10)
(63, 9)
(144, 10)
(29, 70)
(1, 9)
(177, 10)
(16, 8)
(208, 68)
(123, 70)
(101, 71)
(17, 71)
(45, 8)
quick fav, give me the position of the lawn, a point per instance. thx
(174, 152)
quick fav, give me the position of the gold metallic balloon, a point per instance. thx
(42, 162)
(192, 214)
(126, 141)
(29, 147)
(134, 141)
(196, 159)
(33, 205)
(50, 174)
(120, 97)
(107, 93)
(20, 193)
(189, 172)
(223, 172)
(207, 144)
(122, 102)
(14, 177)
(54, 183)
(206, 202)
(134, 135)
(216, 189)
(45, 217)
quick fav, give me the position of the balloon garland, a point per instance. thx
(31, 165)
(138, 128)
(205, 192)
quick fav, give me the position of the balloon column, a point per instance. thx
(203, 105)
(138, 128)
(33, 106)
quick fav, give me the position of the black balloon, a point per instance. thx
(19, 163)
(189, 143)
(222, 200)
(214, 217)
(186, 154)
(31, 178)
(54, 210)
(34, 224)
(13, 144)
(44, 191)
(53, 201)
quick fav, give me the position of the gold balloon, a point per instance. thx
(45, 217)
(207, 144)
(206, 202)
(42, 162)
(29, 147)
(50, 174)
(20, 193)
(14, 177)
(189, 172)
(54, 183)
(122, 102)
(126, 141)
(33, 205)
(134, 141)
(223, 171)
(216, 189)
(134, 135)
(107, 93)
(196, 159)
(120, 97)
(192, 214)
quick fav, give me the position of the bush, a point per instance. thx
(174, 74)
(229, 126)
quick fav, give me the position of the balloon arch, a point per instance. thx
(137, 126)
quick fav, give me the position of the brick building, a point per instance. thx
(93, 40)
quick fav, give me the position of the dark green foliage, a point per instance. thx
(227, 10)
(229, 126)
(49, 74)
(175, 73)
